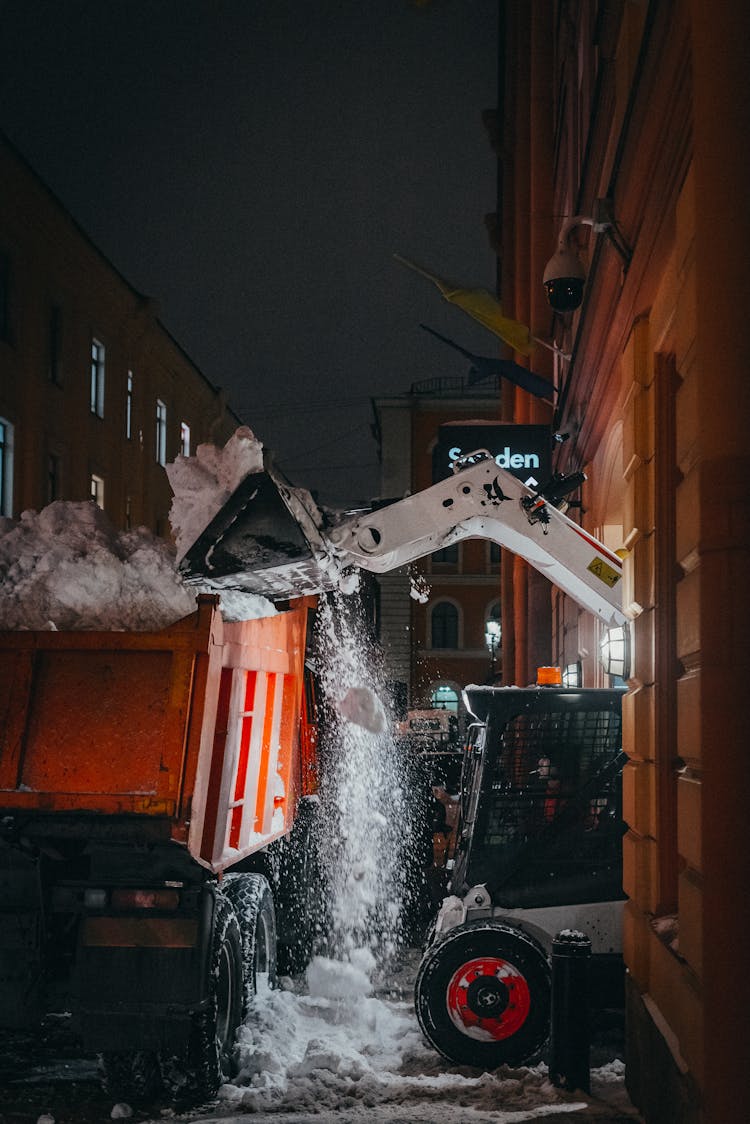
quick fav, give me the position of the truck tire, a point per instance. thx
(207, 1062)
(252, 900)
(132, 1075)
(301, 893)
(482, 995)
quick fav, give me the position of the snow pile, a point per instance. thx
(332, 1047)
(65, 567)
(202, 484)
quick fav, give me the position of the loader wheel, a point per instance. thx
(252, 900)
(207, 1062)
(132, 1075)
(482, 996)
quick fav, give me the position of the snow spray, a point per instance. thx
(362, 791)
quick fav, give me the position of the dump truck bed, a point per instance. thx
(195, 726)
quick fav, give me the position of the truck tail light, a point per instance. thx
(145, 899)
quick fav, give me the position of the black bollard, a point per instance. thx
(570, 1029)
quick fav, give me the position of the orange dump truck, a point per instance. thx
(157, 814)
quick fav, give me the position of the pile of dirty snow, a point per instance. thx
(66, 567)
(327, 1046)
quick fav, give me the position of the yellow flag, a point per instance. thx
(481, 306)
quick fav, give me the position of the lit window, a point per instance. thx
(444, 625)
(161, 432)
(444, 698)
(97, 378)
(129, 406)
(6, 467)
(185, 439)
(97, 490)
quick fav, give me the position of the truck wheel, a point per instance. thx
(252, 900)
(207, 1062)
(482, 995)
(132, 1075)
(301, 893)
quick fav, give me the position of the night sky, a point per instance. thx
(253, 165)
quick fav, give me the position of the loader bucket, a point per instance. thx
(266, 539)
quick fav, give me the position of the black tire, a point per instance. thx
(482, 995)
(252, 900)
(301, 893)
(132, 1075)
(207, 1062)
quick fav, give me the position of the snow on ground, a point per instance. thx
(327, 1048)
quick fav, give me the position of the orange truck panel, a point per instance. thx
(198, 723)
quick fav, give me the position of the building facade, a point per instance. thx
(434, 614)
(629, 121)
(95, 395)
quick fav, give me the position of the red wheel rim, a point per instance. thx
(488, 999)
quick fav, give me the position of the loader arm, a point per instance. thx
(487, 502)
(271, 539)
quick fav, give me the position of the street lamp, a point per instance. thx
(492, 635)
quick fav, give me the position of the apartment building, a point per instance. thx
(95, 394)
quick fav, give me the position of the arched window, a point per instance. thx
(444, 698)
(444, 625)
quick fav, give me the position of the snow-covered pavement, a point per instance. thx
(331, 1049)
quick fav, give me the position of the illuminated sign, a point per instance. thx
(524, 450)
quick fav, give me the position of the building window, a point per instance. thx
(97, 490)
(55, 345)
(444, 698)
(129, 406)
(97, 378)
(448, 556)
(161, 432)
(6, 468)
(494, 554)
(128, 513)
(444, 625)
(185, 439)
(53, 478)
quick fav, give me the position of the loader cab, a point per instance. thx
(541, 810)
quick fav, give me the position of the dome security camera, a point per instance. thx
(564, 278)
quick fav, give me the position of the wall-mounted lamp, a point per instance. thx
(614, 651)
(572, 675)
(564, 275)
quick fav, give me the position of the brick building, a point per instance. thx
(95, 394)
(632, 118)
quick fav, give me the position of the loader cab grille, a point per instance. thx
(547, 811)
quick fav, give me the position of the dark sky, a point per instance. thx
(253, 165)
